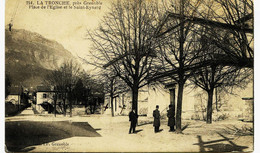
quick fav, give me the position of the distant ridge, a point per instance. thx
(29, 56)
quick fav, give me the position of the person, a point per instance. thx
(171, 118)
(156, 122)
(10, 26)
(133, 119)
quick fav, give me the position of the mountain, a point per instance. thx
(29, 57)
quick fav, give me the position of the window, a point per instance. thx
(44, 96)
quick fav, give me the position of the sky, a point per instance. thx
(66, 26)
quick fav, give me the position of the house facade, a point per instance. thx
(14, 96)
(194, 102)
(148, 98)
(43, 94)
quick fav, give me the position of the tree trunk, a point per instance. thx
(210, 94)
(55, 103)
(70, 108)
(172, 99)
(85, 102)
(112, 97)
(179, 107)
(64, 106)
(209, 107)
(115, 104)
(94, 108)
(112, 106)
(135, 99)
(181, 81)
(70, 101)
(216, 94)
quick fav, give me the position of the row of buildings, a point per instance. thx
(42, 99)
(238, 105)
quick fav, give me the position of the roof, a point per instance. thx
(44, 89)
(15, 90)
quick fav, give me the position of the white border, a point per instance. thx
(2, 66)
(256, 74)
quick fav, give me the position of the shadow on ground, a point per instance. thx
(142, 123)
(185, 126)
(218, 145)
(136, 131)
(22, 134)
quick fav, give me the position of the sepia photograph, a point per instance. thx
(129, 76)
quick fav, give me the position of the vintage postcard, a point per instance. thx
(129, 75)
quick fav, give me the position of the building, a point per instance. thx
(193, 106)
(15, 95)
(148, 98)
(248, 110)
(43, 94)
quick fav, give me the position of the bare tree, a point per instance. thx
(64, 80)
(124, 42)
(114, 86)
(228, 25)
(88, 84)
(179, 47)
(211, 77)
(111, 90)
(215, 74)
(230, 28)
(92, 90)
(8, 84)
(79, 92)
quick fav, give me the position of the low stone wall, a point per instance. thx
(78, 110)
(11, 109)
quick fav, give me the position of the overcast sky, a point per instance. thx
(67, 27)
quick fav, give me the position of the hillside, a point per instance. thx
(29, 56)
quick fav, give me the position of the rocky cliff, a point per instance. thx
(29, 56)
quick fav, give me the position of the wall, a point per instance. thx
(158, 96)
(40, 99)
(232, 104)
(12, 98)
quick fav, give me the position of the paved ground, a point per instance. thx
(44, 133)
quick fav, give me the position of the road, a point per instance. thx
(45, 133)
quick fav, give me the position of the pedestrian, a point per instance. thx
(171, 118)
(133, 119)
(156, 122)
(10, 26)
